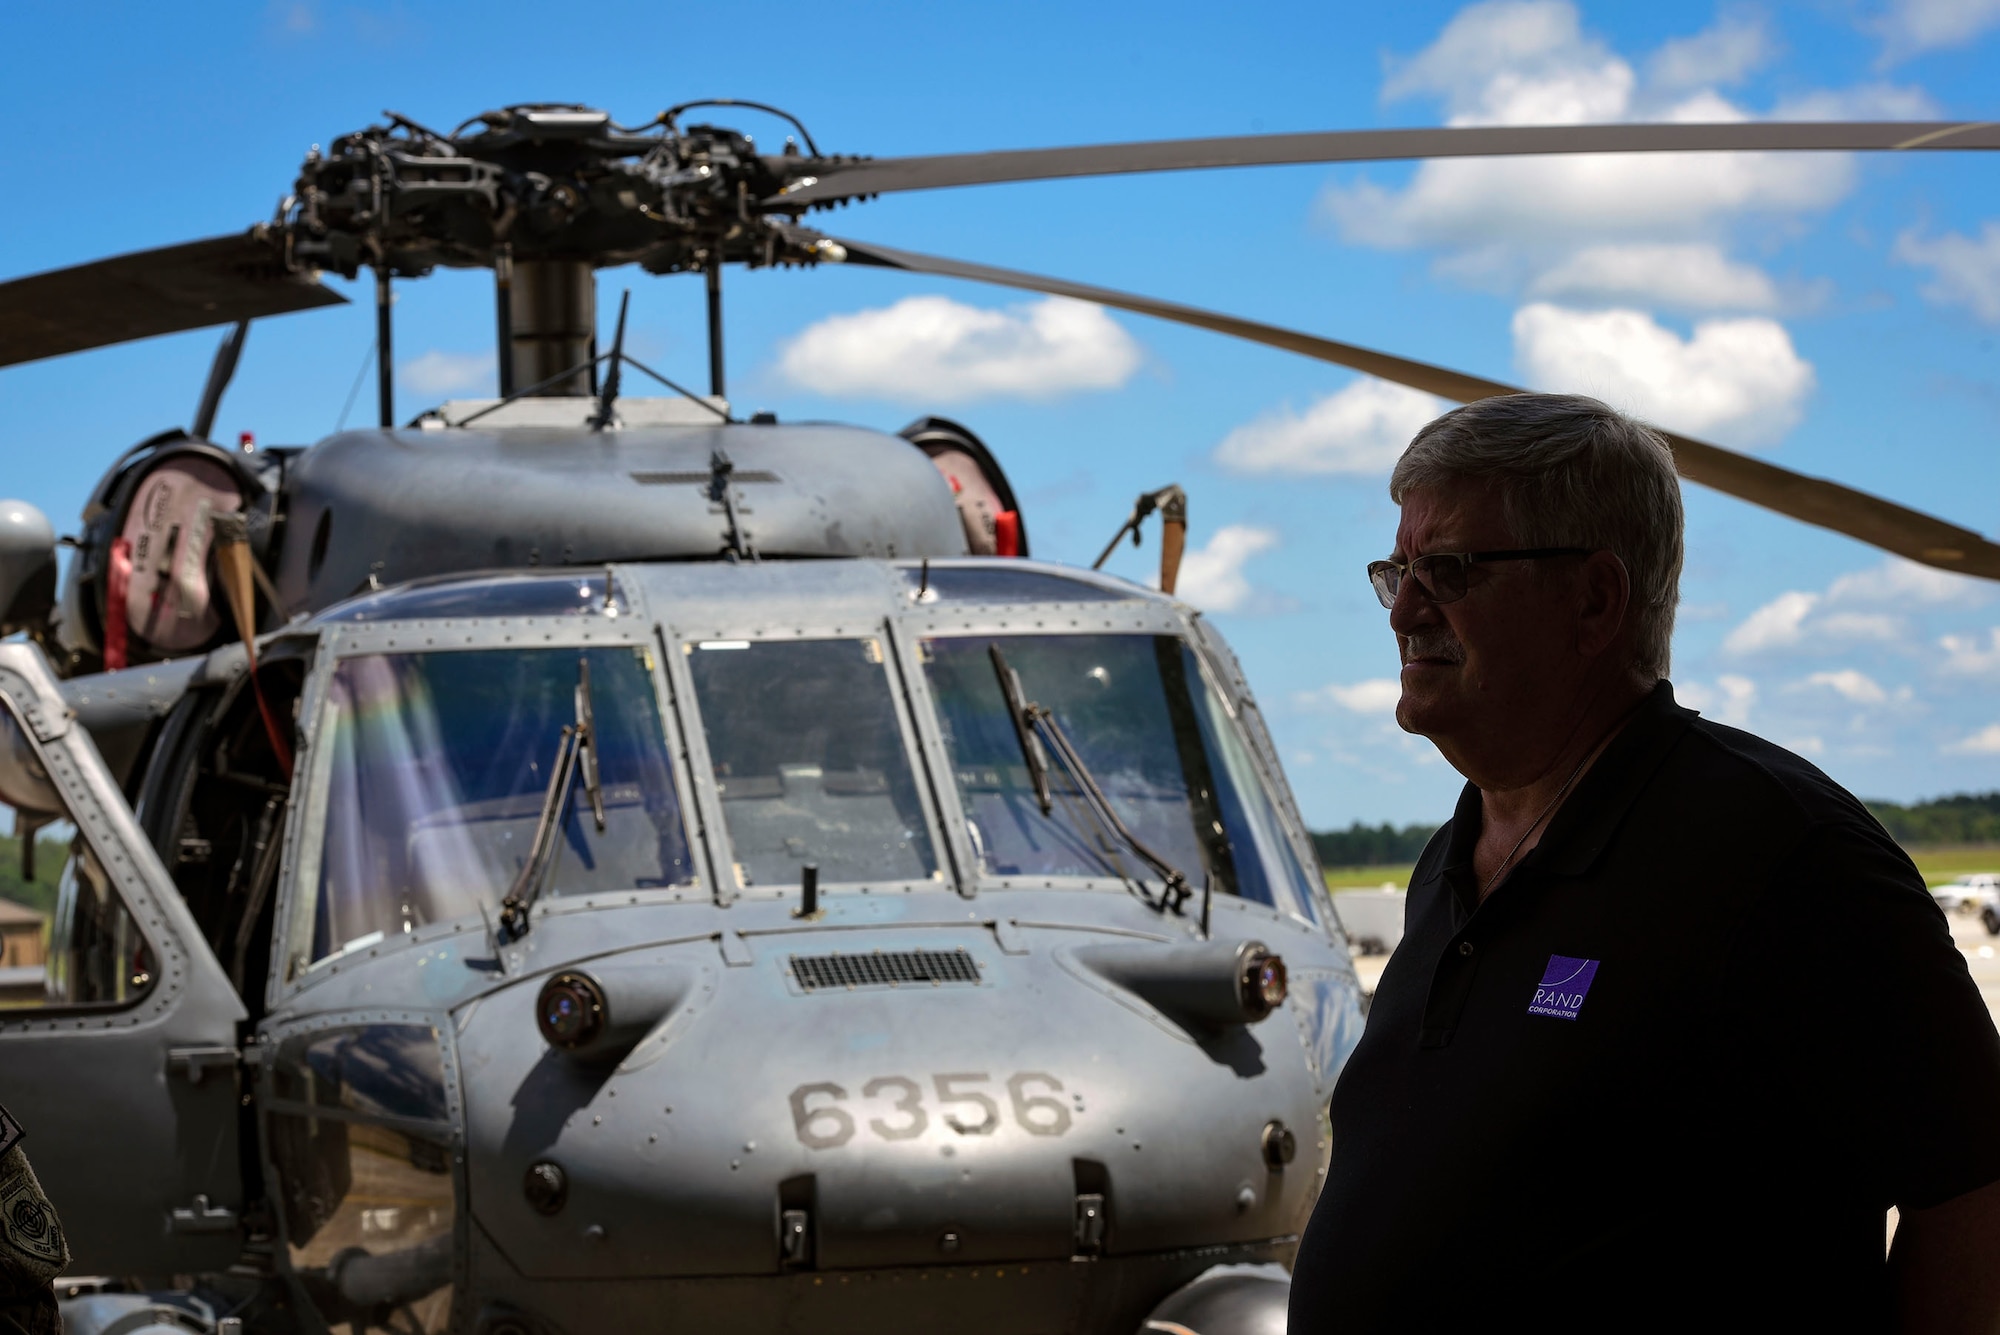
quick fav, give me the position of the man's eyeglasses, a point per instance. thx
(1440, 576)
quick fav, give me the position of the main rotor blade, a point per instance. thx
(882, 175)
(1870, 519)
(222, 280)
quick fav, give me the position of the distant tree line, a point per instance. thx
(1963, 818)
(1371, 845)
(50, 855)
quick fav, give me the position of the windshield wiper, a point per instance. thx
(1032, 724)
(586, 730)
(1018, 709)
(577, 750)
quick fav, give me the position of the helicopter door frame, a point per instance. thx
(131, 1114)
(936, 758)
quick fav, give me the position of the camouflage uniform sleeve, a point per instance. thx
(32, 1251)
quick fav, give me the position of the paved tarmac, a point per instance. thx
(1982, 956)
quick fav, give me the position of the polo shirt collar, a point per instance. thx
(1593, 813)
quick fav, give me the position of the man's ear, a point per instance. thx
(1604, 602)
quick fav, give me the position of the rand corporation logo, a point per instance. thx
(1564, 985)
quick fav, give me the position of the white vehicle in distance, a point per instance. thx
(1969, 893)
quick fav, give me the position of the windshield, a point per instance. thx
(437, 768)
(810, 761)
(1155, 736)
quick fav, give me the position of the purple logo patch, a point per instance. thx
(1564, 985)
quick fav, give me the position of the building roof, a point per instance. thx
(18, 915)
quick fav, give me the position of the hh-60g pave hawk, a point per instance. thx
(583, 862)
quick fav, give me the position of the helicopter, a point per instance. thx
(579, 860)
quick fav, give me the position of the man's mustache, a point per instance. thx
(1435, 644)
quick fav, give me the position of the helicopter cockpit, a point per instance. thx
(439, 733)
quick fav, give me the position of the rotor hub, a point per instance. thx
(548, 182)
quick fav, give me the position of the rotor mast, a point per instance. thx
(552, 326)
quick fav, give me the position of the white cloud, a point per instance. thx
(1523, 62)
(1985, 742)
(1512, 63)
(1212, 576)
(1874, 627)
(447, 372)
(1728, 701)
(1865, 607)
(1966, 271)
(1797, 619)
(1721, 55)
(935, 350)
(1867, 102)
(1850, 685)
(1911, 26)
(1378, 695)
(1361, 429)
(1740, 378)
(1517, 61)
(1690, 275)
(1901, 583)
(1778, 624)
(1968, 656)
(1550, 202)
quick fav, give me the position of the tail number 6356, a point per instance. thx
(895, 1108)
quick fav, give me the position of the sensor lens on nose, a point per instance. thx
(546, 1186)
(570, 1011)
(1262, 983)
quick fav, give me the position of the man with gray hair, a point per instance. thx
(1673, 1022)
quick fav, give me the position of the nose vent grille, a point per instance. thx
(884, 968)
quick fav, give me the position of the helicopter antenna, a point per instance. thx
(677, 388)
(219, 373)
(609, 394)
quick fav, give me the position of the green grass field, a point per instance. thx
(1949, 861)
(1938, 864)
(1347, 878)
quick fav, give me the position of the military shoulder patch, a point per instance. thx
(28, 1225)
(10, 1131)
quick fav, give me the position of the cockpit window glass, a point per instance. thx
(380, 1070)
(67, 936)
(1005, 584)
(1266, 862)
(579, 593)
(810, 761)
(1153, 737)
(439, 767)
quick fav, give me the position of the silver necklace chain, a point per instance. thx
(1588, 756)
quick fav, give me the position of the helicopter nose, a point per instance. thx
(883, 1106)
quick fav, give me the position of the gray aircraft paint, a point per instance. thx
(684, 1207)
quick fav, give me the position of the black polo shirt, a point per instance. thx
(1670, 1074)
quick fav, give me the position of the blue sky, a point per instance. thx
(1835, 315)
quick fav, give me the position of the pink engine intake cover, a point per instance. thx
(169, 602)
